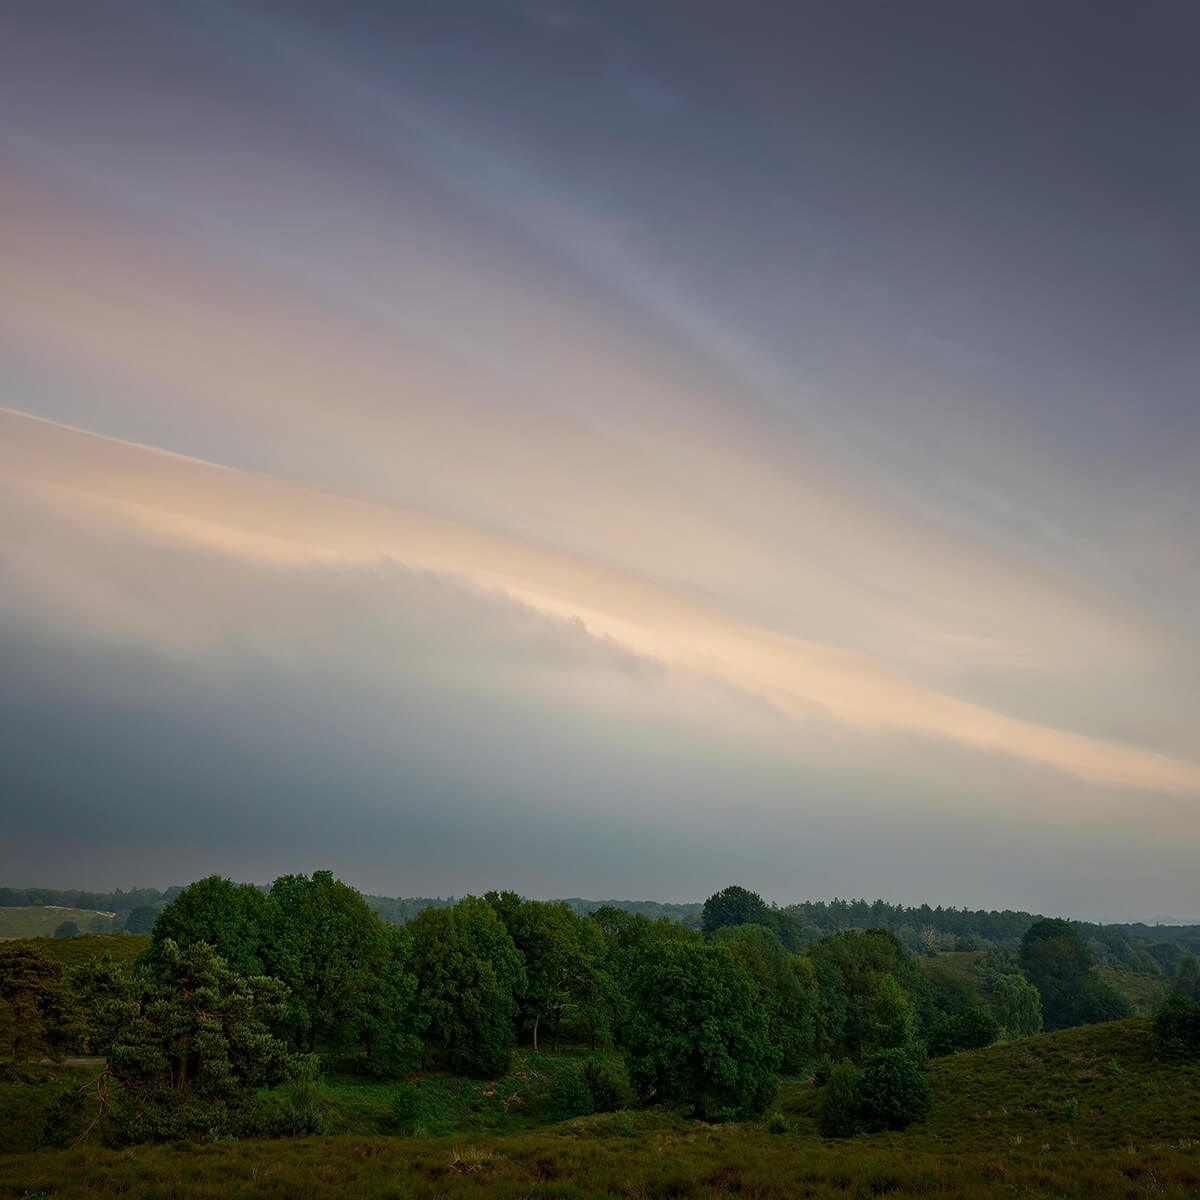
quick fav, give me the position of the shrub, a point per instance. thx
(569, 1095)
(301, 1112)
(607, 1086)
(839, 1103)
(778, 1123)
(892, 1092)
(407, 1106)
(1177, 1028)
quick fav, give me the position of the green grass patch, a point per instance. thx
(41, 921)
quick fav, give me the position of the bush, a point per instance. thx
(607, 1086)
(67, 929)
(892, 1092)
(569, 1095)
(1177, 1028)
(971, 1030)
(407, 1106)
(778, 1123)
(839, 1104)
(301, 1112)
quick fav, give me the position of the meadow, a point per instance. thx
(41, 921)
(1086, 1112)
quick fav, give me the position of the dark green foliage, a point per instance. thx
(1057, 962)
(67, 929)
(142, 918)
(350, 989)
(33, 989)
(971, 1030)
(569, 1095)
(566, 975)
(1177, 1028)
(839, 1101)
(1017, 1005)
(236, 919)
(1098, 1001)
(699, 1035)
(851, 968)
(301, 1113)
(892, 1093)
(607, 1086)
(786, 986)
(187, 1047)
(737, 906)
(469, 976)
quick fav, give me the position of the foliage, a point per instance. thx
(606, 1085)
(469, 976)
(236, 919)
(1017, 1005)
(698, 1035)
(891, 1091)
(971, 1030)
(33, 988)
(1177, 1028)
(737, 906)
(347, 973)
(301, 1112)
(186, 1047)
(1057, 962)
(566, 976)
(786, 987)
(839, 1101)
(569, 1094)
(66, 929)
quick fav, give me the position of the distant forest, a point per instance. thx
(1149, 949)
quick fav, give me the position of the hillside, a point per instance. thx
(40, 921)
(1083, 1114)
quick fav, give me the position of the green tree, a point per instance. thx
(699, 1035)
(786, 987)
(350, 988)
(66, 929)
(187, 1048)
(737, 906)
(1177, 1028)
(893, 1017)
(892, 1092)
(1057, 962)
(1017, 1005)
(237, 919)
(469, 976)
(34, 989)
(565, 968)
(839, 1101)
(141, 919)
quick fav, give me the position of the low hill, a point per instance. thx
(33, 921)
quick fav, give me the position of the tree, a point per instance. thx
(698, 1034)
(67, 929)
(786, 987)
(34, 988)
(894, 1017)
(469, 975)
(892, 1092)
(1177, 1028)
(349, 984)
(564, 957)
(187, 1048)
(1057, 963)
(839, 1101)
(237, 919)
(1017, 1005)
(736, 906)
(141, 919)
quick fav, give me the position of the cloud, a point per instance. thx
(183, 502)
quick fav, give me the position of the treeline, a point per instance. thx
(243, 988)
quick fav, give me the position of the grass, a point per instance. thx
(1003, 1126)
(42, 921)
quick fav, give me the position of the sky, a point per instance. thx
(603, 449)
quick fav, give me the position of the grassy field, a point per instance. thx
(37, 922)
(1083, 1113)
